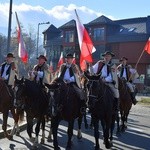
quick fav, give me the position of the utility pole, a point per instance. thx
(9, 27)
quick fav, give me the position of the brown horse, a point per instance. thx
(125, 102)
(6, 104)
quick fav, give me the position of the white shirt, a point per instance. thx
(108, 78)
(68, 77)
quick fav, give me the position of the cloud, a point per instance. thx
(57, 15)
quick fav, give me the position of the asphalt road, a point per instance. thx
(136, 137)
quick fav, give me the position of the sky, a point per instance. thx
(58, 12)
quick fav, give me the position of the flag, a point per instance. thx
(22, 52)
(51, 67)
(74, 59)
(61, 60)
(85, 43)
(147, 46)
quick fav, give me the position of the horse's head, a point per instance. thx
(93, 86)
(19, 91)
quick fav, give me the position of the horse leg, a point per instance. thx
(70, 133)
(85, 121)
(30, 127)
(117, 120)
(95, 123)
(79, 134)
(55, 123)
(43, 131)
(4, 125)
(49, 139)
(108, 144)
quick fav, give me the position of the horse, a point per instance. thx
(68, 106)
(125, 102)
(34, 100)
(101, 103)
(6, 104)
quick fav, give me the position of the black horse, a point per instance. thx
(34, 100)
(68, 109)
(101, 105)
(125, 102)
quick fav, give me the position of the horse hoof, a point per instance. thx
(57, 148)
(97, 148)
(79, 137)
(108, 145)
(17, 133)
(42, 141)
(49, 139)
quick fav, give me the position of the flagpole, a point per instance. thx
(139, 59)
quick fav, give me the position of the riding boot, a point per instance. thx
(134, 101)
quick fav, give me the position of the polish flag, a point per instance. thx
(85, 43)
(22, 52)
(61, 60)
(74, 59)
(147, 46)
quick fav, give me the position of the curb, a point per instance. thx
(22, 127)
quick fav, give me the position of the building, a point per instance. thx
(126, 37)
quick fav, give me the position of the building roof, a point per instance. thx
(102, 20)
(69, 24)
(51, 28)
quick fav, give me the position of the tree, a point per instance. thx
(3, 47)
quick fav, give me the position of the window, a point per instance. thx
(99, 34)
(69, 36)
(131, 29)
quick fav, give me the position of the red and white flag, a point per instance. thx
(74, 59)
(85, 43)
(61, 60)
(147, 46)
(22, 52)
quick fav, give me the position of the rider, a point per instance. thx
(108, 72)
(40, 72)
(129, 74)
(8, 71)
(70, 73)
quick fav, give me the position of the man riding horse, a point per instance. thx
(108, 73)
(70, 73)
(8, 71)
(129, 74)
(40, 72)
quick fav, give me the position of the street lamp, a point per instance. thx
(38, 34)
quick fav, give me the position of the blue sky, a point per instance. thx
(58, 12)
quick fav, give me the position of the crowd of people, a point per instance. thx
(71, 73)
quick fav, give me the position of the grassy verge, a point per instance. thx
(145, 101)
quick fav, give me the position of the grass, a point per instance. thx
(145, 101)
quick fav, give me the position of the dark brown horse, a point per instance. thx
(125, 102)
(69, 109)
(6, 105)
(101, 103)
(34, 100)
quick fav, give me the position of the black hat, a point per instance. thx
(10, 55)
(69, 56)
(108, 53)
(123, 58)
(42, 57)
